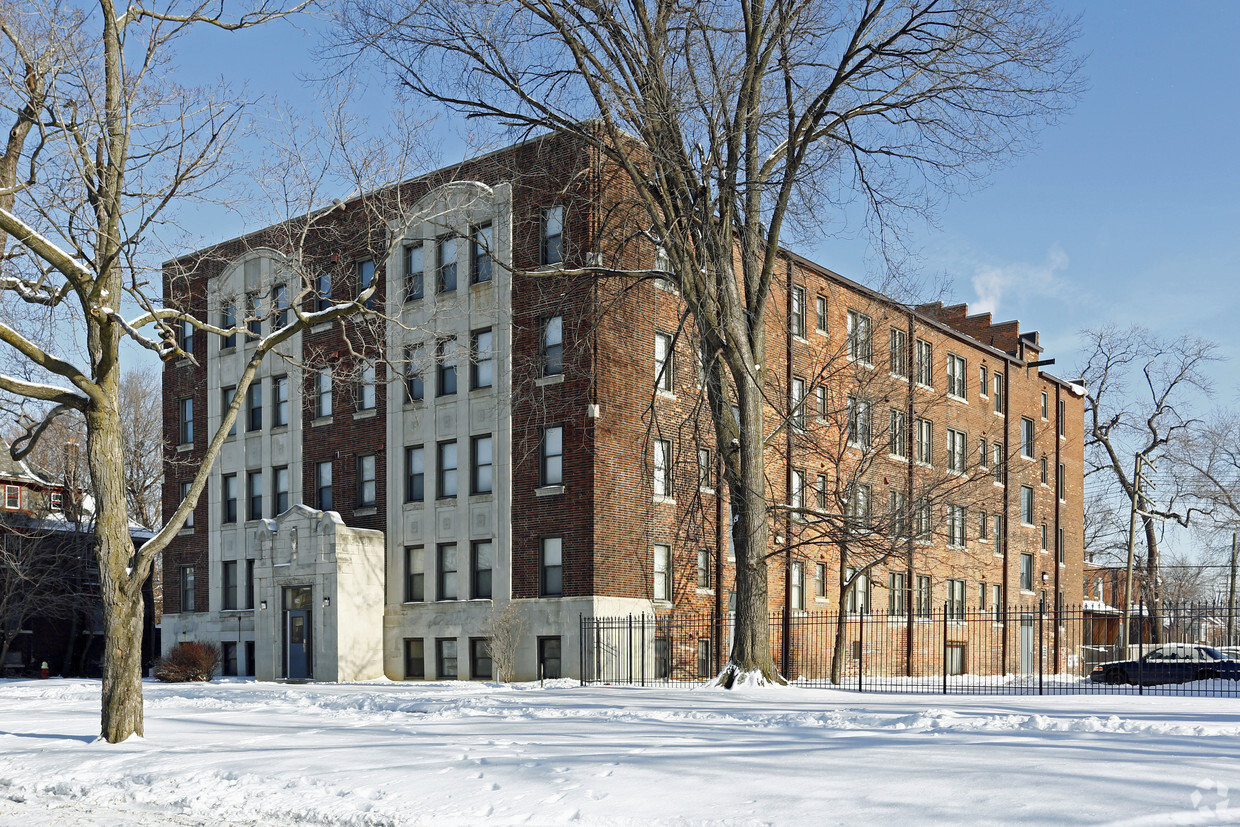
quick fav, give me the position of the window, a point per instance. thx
(231, 584)
(955, 526)
(859, 505)
(228, 491)
(981, 596)
(860, 345)
(552, 235)
(1043, 475)
(1044, 537)
(996, 597)
(186, 432)
(552, 579)
(187, 589)
(445, 367)
(365, 280)
(983, 452)
(480, 664)
(185, 336)
(663, 468)
(897, 437)
(858, 422)
(254, 407)
(549, 657)
(228, 656)
(182, 492)
(482, 359)
(956, 441)
(1026, 505)
(480, 254)
(820, 580)
(922, 596)
(367, 386)
(481, 562)
(820, 401)
(1059, 547)
(1026, 438)
(415, 384)
(704, 580)
(797, 594)
(1062, 417)
(859, 593)
(704, 669)
(228, 321)
(998, 534)
(1061, 482)
(480, 466)
(983, 526)
(280, 489)
(415, 574)
(998, 381)
(923, 441)
(1026, 572)
(279, 401)
(706, 470)
(957, 369)
(955, 600)
(415, 278)
(797, 496)
(1045, 405)
(445, 266)
(664, 363)
(366, 481)
(796, 319)
(996, 450)
(415, 658)
(227, 395)
(898, 356)
(445, 572)
(254, 495)
(983, 381)
(895, 594)
(662, 569)
(279, 305)
(445, 470)
(323, 485)
(821, 307)
(323, 299)
(897, 511)
(796, 402)
(445, 658)
(323, 394)
(923, 520)
(552, 465)
(415, 474)
(923, 363)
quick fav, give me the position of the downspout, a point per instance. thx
(909, 448)
(786, 648)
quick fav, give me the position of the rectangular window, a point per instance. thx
(552, 235)
(415, 473)
(923, 363)
(820, 401)
(820, 580)
(1042, 473)
(415, 383)
(182, 492)
(365, 280)
(481, 464)
(185, 336)
(186, 431)
(822, 314)
(228, 321)
(482, 359)
(997, 464)
(860, 344)
(897, 513)
(956, 526)
(706, 470)
(367, 386)
(898, 356)
(249, 593)
(704, 669)
(552, 575)
(897, 437)
(279, 305)
(254, 407)
(796, 403)
(956, 442)
(1026, 572)
(552, 461)
(981, 596)
(664, 363)
(859, 505)
(415, 278)
(227, 395)
(796, 319)
(1026, 438)
(415, 659)
(662, 468)
(955, 600)
(858, 422)
(231, 584)
(481, 562)
(445, 470)
(280, 489)
(228, 655)
(323, 485)
(323, 292)
(895, 594)
(996, 597)
(229, 498)
(480, 254)
(859, 593)
(1026, 505)
(662, 569)
(983, 453)
(983, 381)
(1059, 547)
(366, 481)
(797, 495)
(1061, 483)
(957, 370)
(983, 526)
(553, 346)
(923, 441)
(481, 667)
(254, 495)
(445, 264)
(445, 572)
(1062, 417)
(415, 574)
(445, 658)
(445, 367)
(188, 596)
(998, 382)
(280, 404)
(821, 491)
(923, 596)
(998, 534)
(704, 580)
(1045, 405)
(923, 518)
(549, 657)
(323, 394)
(1045, 538)
(797, 595)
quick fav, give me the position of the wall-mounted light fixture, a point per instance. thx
(1045, 577)
(262, 605)
(327, 602)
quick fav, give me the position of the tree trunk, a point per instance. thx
(1153, 580)
(66, 663)
(841, 620)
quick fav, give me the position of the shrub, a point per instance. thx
(189, 661)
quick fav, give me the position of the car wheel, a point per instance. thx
(1115, 675)
(1207, 675)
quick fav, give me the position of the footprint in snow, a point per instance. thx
(595, 796)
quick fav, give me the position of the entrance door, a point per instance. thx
(298, 640)
(1026, 644)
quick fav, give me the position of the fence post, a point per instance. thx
(629, 646)
(1140, 648)
(643, 656)
(581, 646)
(1041, 639)
(944, 658)
(860, 649)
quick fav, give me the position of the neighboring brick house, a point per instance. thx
(527, 433)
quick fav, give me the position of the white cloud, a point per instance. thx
(1016, 282)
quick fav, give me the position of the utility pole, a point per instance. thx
(1231, 596)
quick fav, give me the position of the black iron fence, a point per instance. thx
(1032, 649)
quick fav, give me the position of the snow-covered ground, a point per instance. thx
(235, 752)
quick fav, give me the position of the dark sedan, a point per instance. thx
(1172, 663)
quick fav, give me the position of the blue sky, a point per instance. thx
(1127, 213)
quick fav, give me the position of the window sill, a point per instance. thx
(187, 530)
(662, 500)
(185, 446)
(823, 333)
(321, 327)
(705, 490)
(664, 394)
(704, 591)
(224, 351)
(481, 496)
(554, 379)
(956, 398)
(487, 282)
(322, 420)
(800, 338)
(549, 491)
(413, 504)
(181, 363)
(368, 413)
(365, 511)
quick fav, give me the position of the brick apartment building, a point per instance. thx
(520, 432)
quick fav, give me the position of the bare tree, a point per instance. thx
(732, 121)
(1140, 392)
